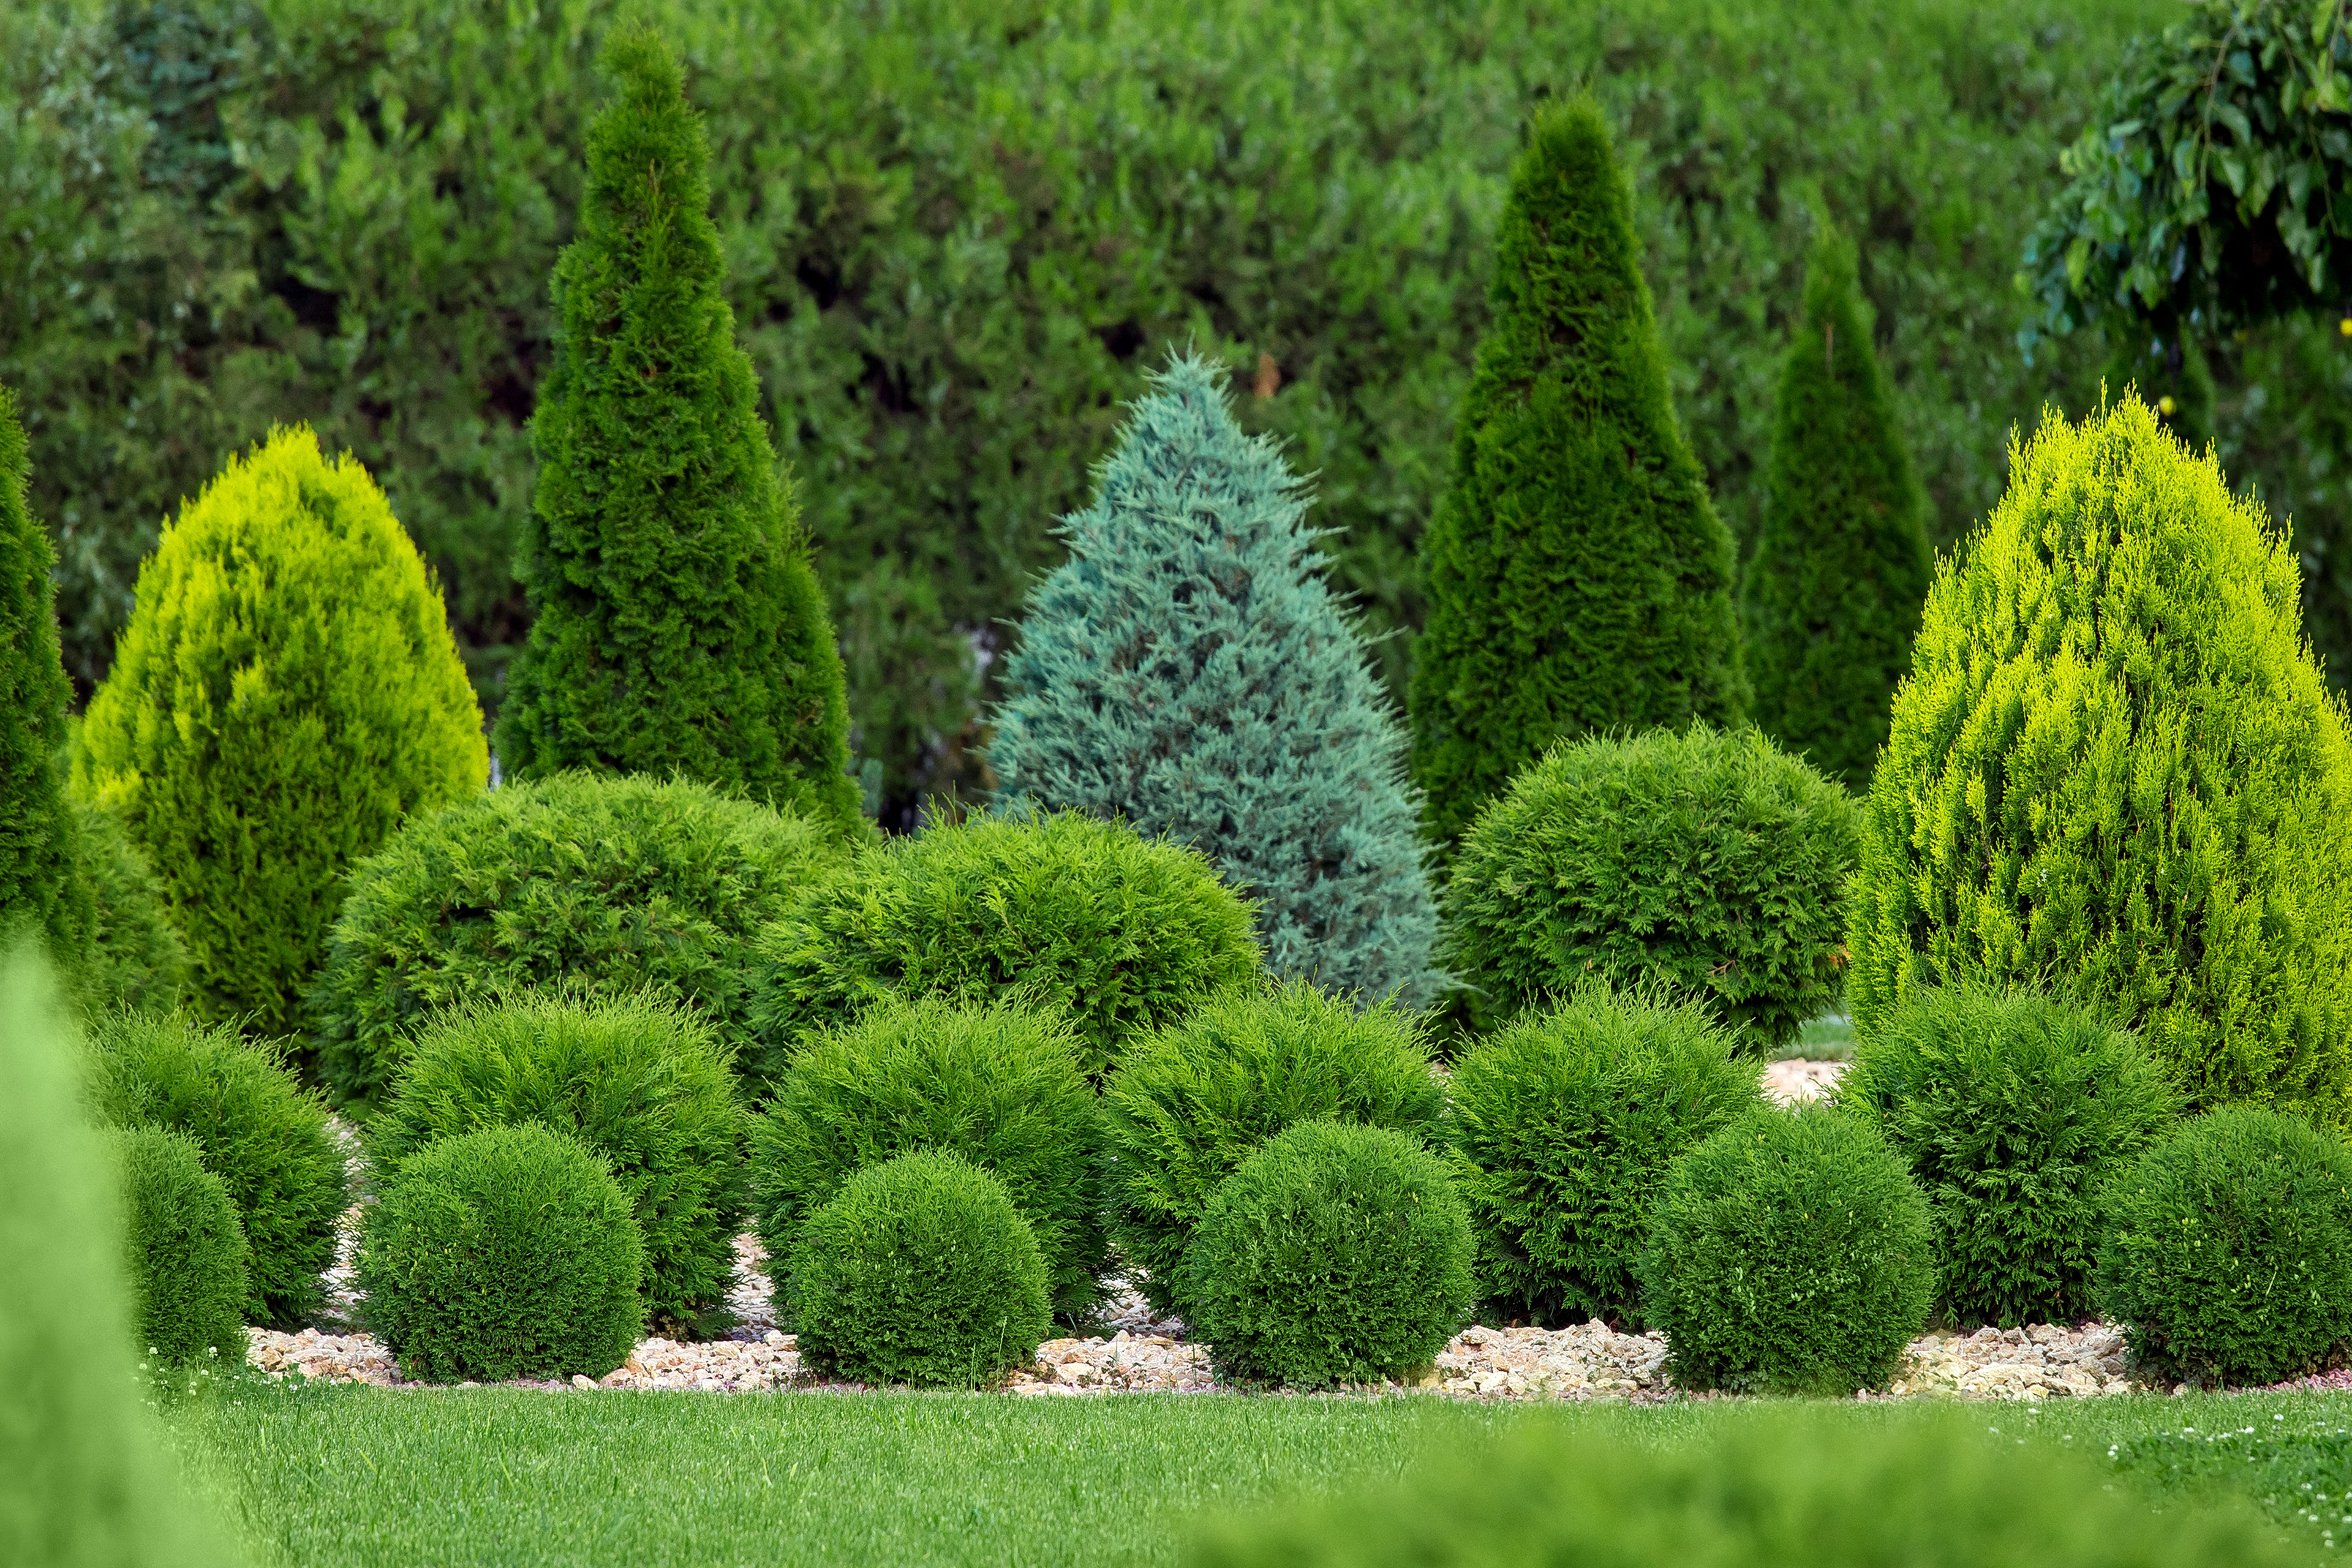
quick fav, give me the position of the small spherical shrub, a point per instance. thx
(134, 957)
(265, 1136)
(2226, 1251)
(1706, 861)
(1119, 933)
(2013, 1112)
(1333, 1254)
(637, 1079)
(998, 1085)
(1790, 1254)
(510, 1252)
(184, 1249)
(1191, 1102)
(620, 883)
(1564, 1124)
(920, 1270)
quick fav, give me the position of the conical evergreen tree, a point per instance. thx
(1841, 565)
(678, 626)
(1190, 669)
(1579, 578)
(39, 886)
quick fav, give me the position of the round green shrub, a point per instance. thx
(1335, 1253)
(2013, 1112)
(920, 1270)
(638, 1081)
(1790, 1254)
(510, 1252)
(620, 883)
(1564, 1124)
(265, 1136)
(1119, 933)
(998, 1085)
(184, 1250)
(1706, 861)
(2226, 1251)
(134, 957)
(1191, 1103)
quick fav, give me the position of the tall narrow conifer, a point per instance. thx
(39, 887)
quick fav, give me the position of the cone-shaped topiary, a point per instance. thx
(2116, 761)
(1190, 669)
(1841, 564)
(678, 626)
(286, 693)
(1578, 577)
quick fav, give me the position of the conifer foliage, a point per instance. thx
(678, 627)
(1190, 669)
(39, 887)
(1578, 577)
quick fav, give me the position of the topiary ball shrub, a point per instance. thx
(1118, 933)
(1191, 1103)
(2226, 1251)
(184, 1250)
(1333, 1254)
(619, 884)
(510, 1252)
(1000, 1086)
(638, 1081)
(134, 957)
(920, 1270)
(1565, 1122)
(1706, 861)
(265, 1136)
(2013, 1112)
(1790, 1254)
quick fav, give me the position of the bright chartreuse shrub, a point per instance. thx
(639, 1081)
(920, 1270)
(2013, 1112)
(134, 957)
(1708, 862)
(1565, 1122)
(1191, 1103)
(2116, 761)
(996, 1084)
(615, 884)
(677, 626)
(184, 1249)
(1831, 594)
(285, 694)
(507, 1252)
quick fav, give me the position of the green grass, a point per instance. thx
(1825, 1039)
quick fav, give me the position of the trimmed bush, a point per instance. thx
(1190, 1104)
(2013, 1112)
(285, 694)
(1333, 1254)
(618, 885)
(2116, 760)
(2226, 1251)
(1564, 1124)
(134, 957)
(1706, 862)
(1790, 1254)
(185, 1252)
(640, 1083)
(999, 1086)
(257, 1129)
(510, 1252)
(1119, 933)
(920, 1270)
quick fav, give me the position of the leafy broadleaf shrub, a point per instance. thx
(510, 1252)
(2013, 1111)
(617, 884)
(2226, 1251)
(1119, 933)
(998, 1085)
(133, 956)
(638, 1081)
(1191, 1103)
(1335, 1253)
(264, 1135)
(1706, 861)
(1790, 1253)
(186, 1251)
(920, 1270)
(1565, 1122)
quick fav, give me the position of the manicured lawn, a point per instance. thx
(1826, 1039)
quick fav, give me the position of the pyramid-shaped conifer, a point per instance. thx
(39, 887)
